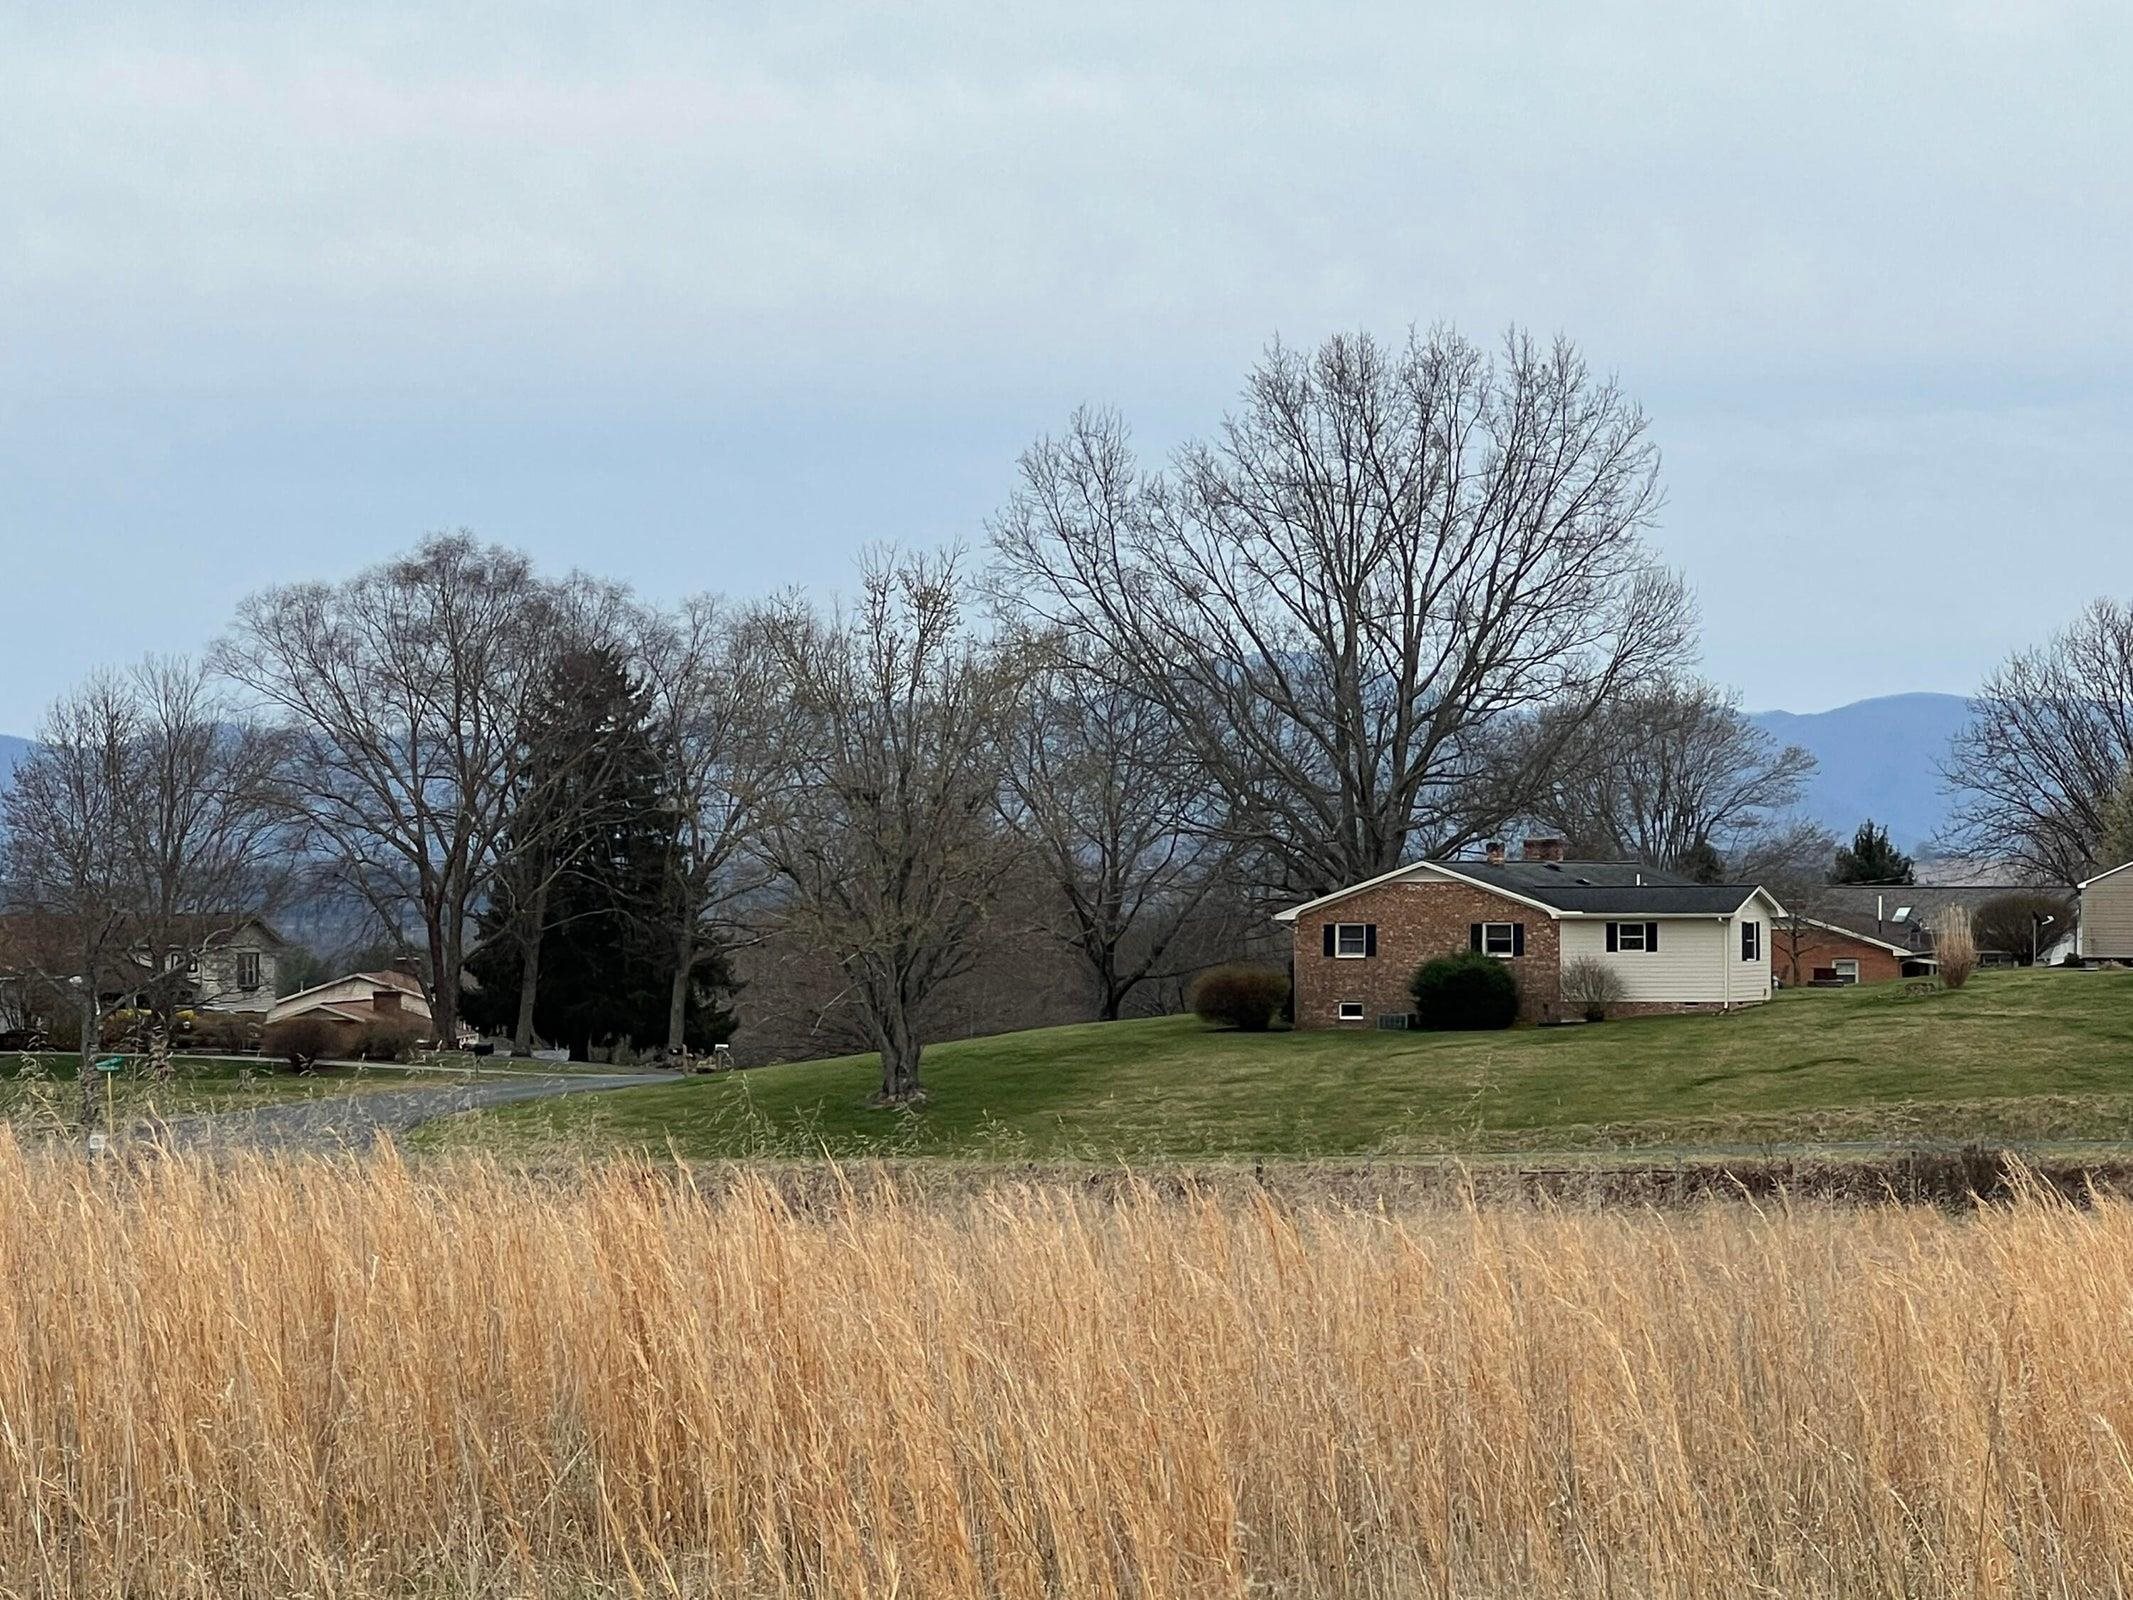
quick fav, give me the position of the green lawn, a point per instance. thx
(44, 1088)
(2030, 1056)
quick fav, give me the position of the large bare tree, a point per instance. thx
(1383, 561)
(140, 828)
(1118, 820)
(711, 679)
(2050, 741)
(884, 826)
(1672, 774)
(402, 695)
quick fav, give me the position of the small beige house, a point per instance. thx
(2103, 923)
(358, 1000)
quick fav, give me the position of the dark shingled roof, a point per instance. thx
(1607, 886)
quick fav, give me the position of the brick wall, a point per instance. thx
(1415, 921)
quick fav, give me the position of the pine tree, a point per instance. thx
(584, 888)
(1871, 859)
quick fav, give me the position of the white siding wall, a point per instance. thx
(2106, 919)
(1751, 979)
(1698, 959)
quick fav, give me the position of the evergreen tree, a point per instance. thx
(1871, 859)
(584, 887)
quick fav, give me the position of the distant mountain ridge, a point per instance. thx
(1878, 758)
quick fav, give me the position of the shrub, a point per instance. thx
(1239, 994)
(1955, 946)
(385, 1040)
(220, 1031)
(1591, 986)
(1468, 990)
(301, 1040)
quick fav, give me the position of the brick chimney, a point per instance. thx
(1543, 850)
(1494, 851)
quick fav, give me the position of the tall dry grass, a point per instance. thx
(356, 1379)
(1955, 946)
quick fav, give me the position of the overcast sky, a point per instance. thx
(709, 297)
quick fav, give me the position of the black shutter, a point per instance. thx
(1328, 930)
(1518, 938)
(1370, 938)
(1473, 936)
(1614, 936)
(1651, 936)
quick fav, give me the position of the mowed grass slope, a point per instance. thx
(2031, 1056)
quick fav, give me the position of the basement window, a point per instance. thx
(1351, 1011)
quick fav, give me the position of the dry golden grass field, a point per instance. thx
(357, 1378)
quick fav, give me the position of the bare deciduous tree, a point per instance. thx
(710, 676)
(1672, 774)
(2050, 740)
(1118, 819)
(884, 826)
(138, 830)
(402, 693)
(1386, 559)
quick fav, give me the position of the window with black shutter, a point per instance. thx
(1500, 938)
(1637, 936)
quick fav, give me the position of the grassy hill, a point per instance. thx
(2027, 1057)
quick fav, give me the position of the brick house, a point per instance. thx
(1676, 945)
(1835, 950)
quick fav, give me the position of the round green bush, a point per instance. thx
(1239, 994)
(1467, 990)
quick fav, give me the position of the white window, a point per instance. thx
(248, 969)
(1499, 939)
(1751, 941)
(1351, 1011)
(1847, 969)
(1629, 936)
(1351, 940)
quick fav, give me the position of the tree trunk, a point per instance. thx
(529, 971)
(91, 1028)
(444, 941)
(678, 997)
(899, 1061)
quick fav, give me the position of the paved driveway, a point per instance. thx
(356, 1121)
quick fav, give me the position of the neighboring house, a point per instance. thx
(2104, 915)
(234, 967)
(233, 964)
(358, 1001)
(1675, 944)
(1838, 949)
